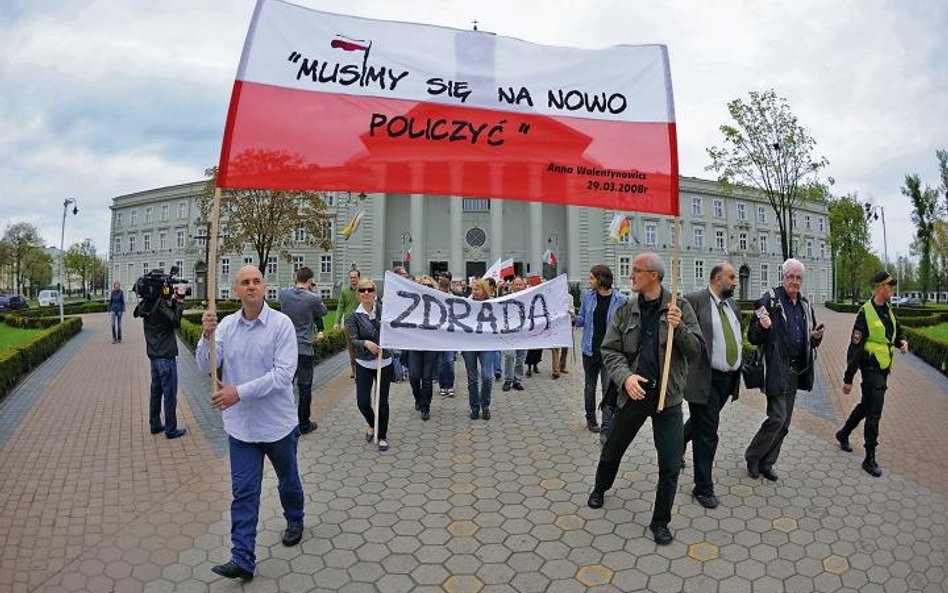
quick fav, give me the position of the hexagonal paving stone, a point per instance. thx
(462, 584)
(593, 575)
(553, 483)
(569, 522)
(834, 564)
(741, 490)
(785, 524)
(462, 459)
(703, 551)
(463, 528)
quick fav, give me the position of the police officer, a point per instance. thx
(870, 351)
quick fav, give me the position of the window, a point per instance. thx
(329, 198)
(475, 205)
(718, 208)
(131, 243)
(248, 261)
(325, 293)
(297, 263)
(742, 241)
(822, 250)
(118, 246)
(325, 263)
(182, 210)
(145, 269)
(625, 266)
(118, 220)
(148, 210)
(180, 265)
(164, 212)
(271, 265)
(225, 266)
(161, 266)
(698, 238)
(162, 240)
(764, 275)
(806, 222)
(329, 228)
(762, 214)
(793, 220)
(741, 211)
(822, 228)
(763, 243)
(131, 274)
(133, 217)
(271, 294)
(146, 242)
(699, 270)
(719, 242)
(650, 232)
(299, 235)
(225, 293)
(179, 239)
(809, 248)
(696, 206)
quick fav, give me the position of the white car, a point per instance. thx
(49, 297)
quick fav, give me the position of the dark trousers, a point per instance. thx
(365, 378)
(350, 348)
(595, 371)
(246, 474)
(164, 388)
(869, 407)
(421, 365)
(667, 433)
(765, 447)
(304, 384)
(702, 428)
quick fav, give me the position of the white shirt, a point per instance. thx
(259, 358)
(719, 348)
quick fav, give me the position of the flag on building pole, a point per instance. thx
(500, 269)
(353, 224)
(619, 227)
(549, 258)
(407, 258)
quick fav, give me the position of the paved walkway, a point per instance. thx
(90, 501)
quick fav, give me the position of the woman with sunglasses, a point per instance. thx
(421, 368)
(479, 395)
(364, 327)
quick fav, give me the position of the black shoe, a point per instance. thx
(232, 571)
(708, 501)
(293, 533)
(417, 407)
(507, 386)
(157, 430)
(683, 464)
(770, 473)
(596, 499)
(178, 433)
(518, 386)
(753, 470)
(592, 426)
(307, 428)
(529, 373)
(872, 468)
(485, 414)
(475, 414)
(425, 415)
(661, 533)
(496, 377)
(844, 442)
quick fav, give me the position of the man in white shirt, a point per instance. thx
(258, 350)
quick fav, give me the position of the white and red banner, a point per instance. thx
(415, 317)
(331, 102)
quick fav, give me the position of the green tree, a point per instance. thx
(940, 254)
(924, 213)
(23, 239)
(942, 156)
(81, 260)
(767, 149)
(6, 265)
(268, 220)
(848, 236)
(38, 270)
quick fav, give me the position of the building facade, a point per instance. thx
(160, 228)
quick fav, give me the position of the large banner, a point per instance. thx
(330, 102)
(415, 317)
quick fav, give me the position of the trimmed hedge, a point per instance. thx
(69, 309)
(842, 307)
(17, 362)
(931, 350)
(925, 321)
(334, 339)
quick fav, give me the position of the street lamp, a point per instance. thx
(406, 263)
(875, 213)
(62, 253)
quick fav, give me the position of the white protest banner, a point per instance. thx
(415, 317)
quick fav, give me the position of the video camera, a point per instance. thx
(157, 285)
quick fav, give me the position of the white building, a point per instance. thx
(160, 228)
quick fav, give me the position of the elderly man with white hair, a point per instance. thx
(785, 327)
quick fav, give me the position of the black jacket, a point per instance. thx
(160, 321)
(362, 328)
(776, 348)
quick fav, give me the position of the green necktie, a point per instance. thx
(730, 344)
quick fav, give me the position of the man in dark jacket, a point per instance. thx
(305, 309)
(876, 334)
(715, 376)
(633, 352)
(785, 327)
(161, 317)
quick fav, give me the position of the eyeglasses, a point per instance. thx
(640, 270)
(366, 290)
(429, 285)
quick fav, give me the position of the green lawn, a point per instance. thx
(939, 331)
(11, 337)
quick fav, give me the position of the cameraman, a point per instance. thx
(160, 309)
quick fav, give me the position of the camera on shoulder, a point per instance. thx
(156, 286)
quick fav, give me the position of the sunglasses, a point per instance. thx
(429, 285)
(366, 290)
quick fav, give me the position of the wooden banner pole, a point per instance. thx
(378, 386)
(676, 262)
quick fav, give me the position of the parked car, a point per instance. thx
(48, 297)
(12, 302)
(898, 300)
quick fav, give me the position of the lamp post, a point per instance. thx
(62, 252)
(406, 239)
(875, 213)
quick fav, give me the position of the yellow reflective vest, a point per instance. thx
(876, 342)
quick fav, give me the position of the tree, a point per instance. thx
(81, 260)
(942, 156)
(22, 238)
(38, 270)
(770, 151)
(924, 214)
(940, 254)
(6, 264)
(848, 236)
(267, 220)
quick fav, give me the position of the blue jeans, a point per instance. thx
(246, 474)
(115, 320)
(497, 363)
(446, 371)
(479, 397)
(164, 386)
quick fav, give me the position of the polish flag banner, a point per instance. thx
(331, 102)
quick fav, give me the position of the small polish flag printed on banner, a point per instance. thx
(324, 101)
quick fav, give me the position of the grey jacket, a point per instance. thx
(698, 389)
(620, 346)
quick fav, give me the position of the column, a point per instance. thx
(379, 241)
(419, 259)
(535, 257)
(456, 262)
(573, 239)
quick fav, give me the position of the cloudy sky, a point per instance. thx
(106, 97)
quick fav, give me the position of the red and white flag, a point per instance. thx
(331, 102)
(549, 258)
